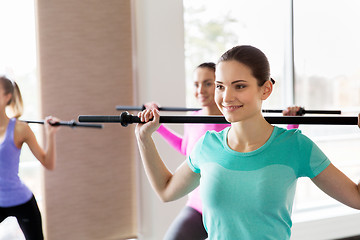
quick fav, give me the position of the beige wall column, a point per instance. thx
(85, 62)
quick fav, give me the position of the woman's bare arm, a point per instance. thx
(169, 186)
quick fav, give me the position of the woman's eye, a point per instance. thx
(219, 87)
(240, 86)
(209, 84)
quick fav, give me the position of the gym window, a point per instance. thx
(312, 49)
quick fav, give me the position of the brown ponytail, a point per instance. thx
(16, 102)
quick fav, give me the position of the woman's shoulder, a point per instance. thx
(292, 136)
(287, 132)
(214, 135)
(210, 140)
(21, 128)
(216, 132)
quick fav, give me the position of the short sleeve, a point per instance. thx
(194, 158)
(315, 161)
(192, 166)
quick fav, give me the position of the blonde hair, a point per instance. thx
(16, 102)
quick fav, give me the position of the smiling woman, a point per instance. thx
(236, 90)
(251, 184)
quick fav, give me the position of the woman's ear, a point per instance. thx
(266, 90)
(8, 98)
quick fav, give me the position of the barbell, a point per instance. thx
(125, 118)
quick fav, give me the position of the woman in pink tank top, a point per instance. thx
(188, 224)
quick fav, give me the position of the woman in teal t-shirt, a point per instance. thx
(247, 172)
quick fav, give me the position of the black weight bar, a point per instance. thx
(125, 118)
(169, 109)
(302, 111)
(71, 123)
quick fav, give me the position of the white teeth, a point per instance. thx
(232, 107)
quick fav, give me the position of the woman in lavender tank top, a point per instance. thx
(16, 199)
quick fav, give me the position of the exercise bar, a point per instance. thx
(302, 111)
(71, 123)
(125, 118)
(169, 109)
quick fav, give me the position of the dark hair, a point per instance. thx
(210, 65)
(253, 58)
(15, 102)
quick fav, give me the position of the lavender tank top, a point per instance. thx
(13, 191)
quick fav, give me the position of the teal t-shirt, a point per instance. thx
(250, 195)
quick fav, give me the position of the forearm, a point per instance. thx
(156, 171)
(50, 152)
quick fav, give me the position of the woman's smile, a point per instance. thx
(232, 108)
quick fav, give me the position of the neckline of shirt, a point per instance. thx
(257, 151)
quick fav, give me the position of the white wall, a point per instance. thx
(159, 43)
(328, 228)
